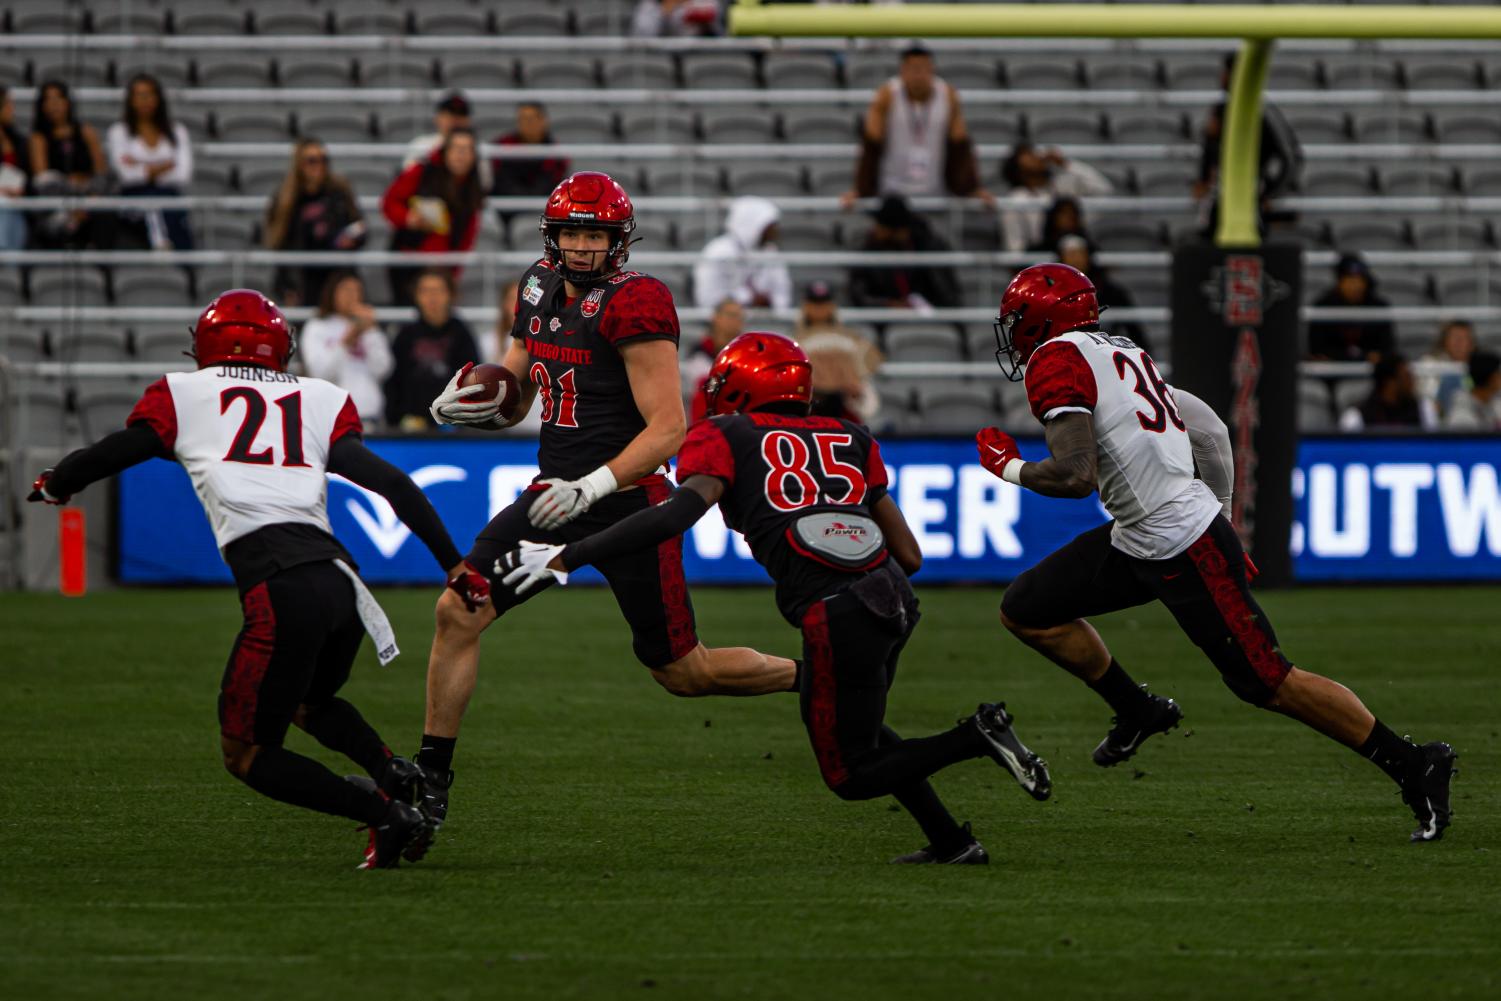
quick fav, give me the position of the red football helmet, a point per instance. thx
(588, 200)
(242, 325)
(1043, 301)
(756, 369)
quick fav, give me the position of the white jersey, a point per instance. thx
(1146, 469)
(917, 137)
(254, 442)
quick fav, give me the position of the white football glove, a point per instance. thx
(524, 568)
(564, 500)
(450, 406)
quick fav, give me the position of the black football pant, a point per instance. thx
(850, 656)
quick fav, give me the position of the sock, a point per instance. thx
(1389, 752)
(437, 752)
(291, 778)
(797, 677)
(938, 825)
(1116, 687)
(338, 726)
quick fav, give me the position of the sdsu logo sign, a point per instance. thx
(591, 302)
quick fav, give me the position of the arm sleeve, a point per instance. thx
(1210, 440)
(393, 203)
(642, 530)
(352, 460)
(182, 164)
(1082, 180)
(115, 141)
(641, 310)
(706, 452)
(156, 411)
(106, 457)
(876, 478)
(1060, 381)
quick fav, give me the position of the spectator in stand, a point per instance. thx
(1037, 178)
(819, 314)
(677, 19)
(314, 209)
(344, 345)
(1479, 408)
(1281, 157)
(434, 207)
(1393, 402)
(452, 112)
(1351, 340)
(914, 141)
(1455, 344)
(153, 158)
(1065, 217)
(427, 353)
(903, 286)
(527, 177)
(15, 176)
(727, 269)
(841, 382)
(67, 159)
(1076, 252)
(726, 323)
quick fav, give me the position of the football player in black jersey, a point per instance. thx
(598, 347)
(809, 495)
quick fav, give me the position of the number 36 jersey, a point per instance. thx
(254, 442)
(786, 477)
(1146, 469)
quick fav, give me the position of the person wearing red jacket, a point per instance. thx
(434, 207)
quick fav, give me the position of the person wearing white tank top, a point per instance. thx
(915, 141)
(1160, 460)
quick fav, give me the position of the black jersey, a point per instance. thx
(783, 473)
(587, 410)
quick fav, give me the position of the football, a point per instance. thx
(493, 377)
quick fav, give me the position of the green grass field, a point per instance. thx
(608, 840)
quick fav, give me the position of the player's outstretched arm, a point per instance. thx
(352, 460)
(900, 541)
(1214, 460)
(108, 456)
(1071, 471)
(533, 564)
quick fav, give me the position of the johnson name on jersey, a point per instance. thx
(800, 489)
(254, 442)
(1146, 467)
(587, 410)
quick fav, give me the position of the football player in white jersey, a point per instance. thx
(1114, 425)
(257, 443)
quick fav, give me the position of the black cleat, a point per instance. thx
(435, 786)
(973, 853)
(1426, 790)
(402, 781)
(1160, 715)
(403, 833)
(1006, 749)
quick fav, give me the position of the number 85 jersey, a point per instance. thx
(1146, 466)
(254, 442)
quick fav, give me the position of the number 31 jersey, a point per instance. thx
(1146, 468)
(254, 442)
(777, 470)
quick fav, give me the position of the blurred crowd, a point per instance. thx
(914, 143)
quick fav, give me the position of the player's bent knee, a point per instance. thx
(452, 616)
(686, 677)
(1252, 691)
(1017, 607)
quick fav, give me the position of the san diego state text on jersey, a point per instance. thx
(588, 413)
(777, 469)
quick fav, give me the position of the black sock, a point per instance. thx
(437, 752)
(1116, 687)
(938, 825)
(1389, 752)
(797, 677)
(338, 726)
(291, 778)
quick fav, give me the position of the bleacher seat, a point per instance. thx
(1043, 74)
(580, 125)
(719, 70)
(637, 70)
(1372, 233)
(694, 231)
(1120, 233)
(800, 71)
(969, 72)
(161, 344)
(369, 19)
(478, 71)
(1361, 72)
(815, 125)
(1454, 233)
(391, 70)
(750, 125)
(22, 344)
(216, 71)
(770, 179)
(1148, 126)
(656, 125)
(450, 17)
(205, 20)
(1350, 393)
(799, 232)
(683, 178)
(246, 124)
(88, 343)
(1416, 179)
(1403, 288)
(1064, 127)
(1388, 125)
(563, 70)
(333, 126)
(129, 21)
(530, 19)
(1330, 180)
(68, 285)
(1442, 74)
(1318, 125)
(1315, 406)
(288, 20)
(42, 413)
(298, 70)
(151, 286)
(1122, 72)
(923, 342)
(76, 67)
(103, 410)
(866, 69)
(1466, 126)
(171, 74)
(956, 407)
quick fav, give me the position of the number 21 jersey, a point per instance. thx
(1146, 468)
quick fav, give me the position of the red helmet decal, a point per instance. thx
(1041, 302)
(242, 325)
(755, 369)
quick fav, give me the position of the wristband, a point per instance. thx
(1011, 472)
(599, 483)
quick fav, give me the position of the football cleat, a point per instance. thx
(994, 726)
(403, 780)
(403, 833)
(1160, 715)
(435, 786)
(972, 853)
(1426, 790)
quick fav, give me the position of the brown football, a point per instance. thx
(491, 377)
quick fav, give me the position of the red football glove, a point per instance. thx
(472, 586)
(997, 450)
(39, 490)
